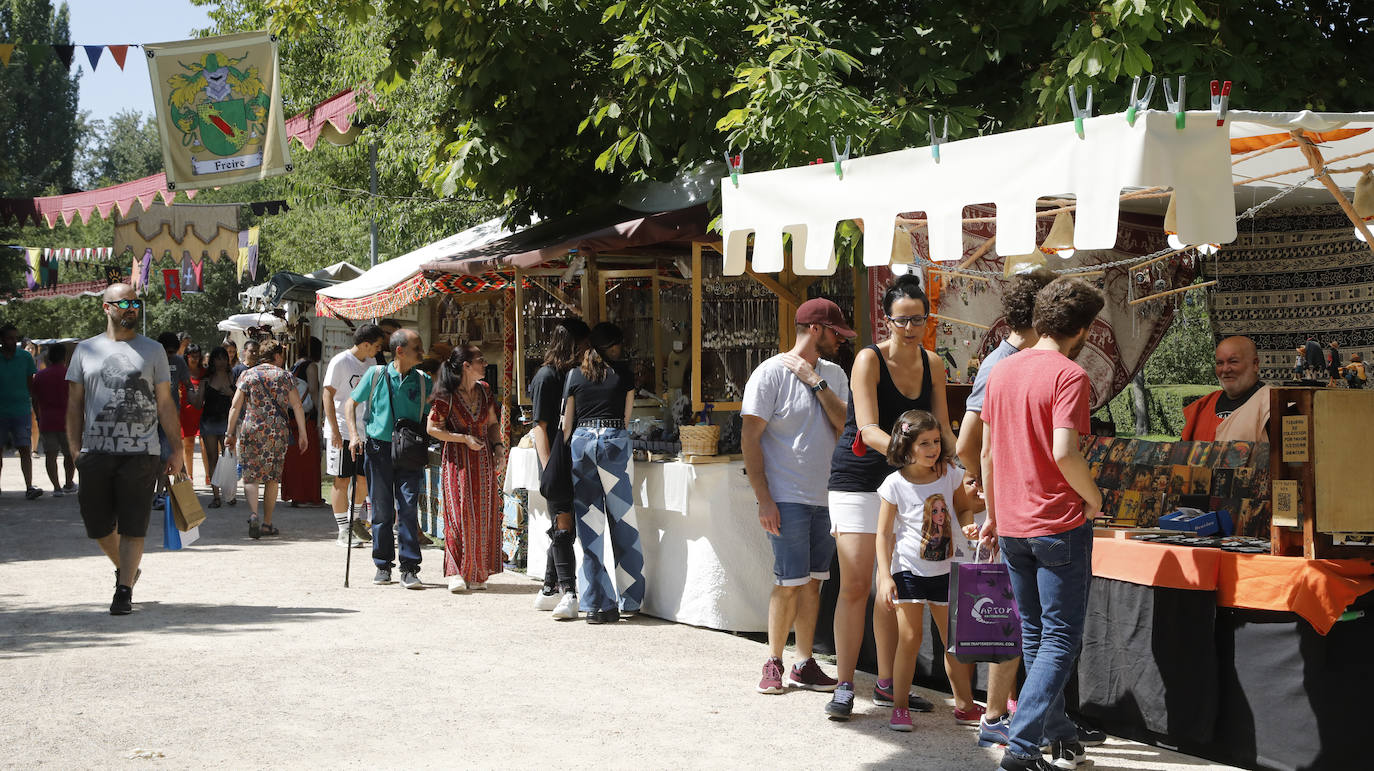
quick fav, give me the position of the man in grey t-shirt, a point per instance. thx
(119, 395)
(793, 411)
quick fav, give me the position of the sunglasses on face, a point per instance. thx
(906, 321)
(125, 305)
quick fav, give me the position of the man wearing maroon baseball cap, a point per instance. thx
(793, 411)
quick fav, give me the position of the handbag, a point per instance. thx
(186, 508)
(556, 479)
(226, 475)
(409, 439)
(984, 622)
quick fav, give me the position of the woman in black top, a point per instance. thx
(215, 395)
(598, 400)
(889, 378)
(566, 347)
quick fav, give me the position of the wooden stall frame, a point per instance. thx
(656, 280)
(523, 399)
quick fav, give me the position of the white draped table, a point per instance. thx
(706, 560)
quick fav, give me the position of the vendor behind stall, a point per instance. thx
(1240, 410)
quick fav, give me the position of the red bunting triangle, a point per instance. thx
(119, 52)
(93, 54)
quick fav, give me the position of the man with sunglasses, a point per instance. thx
(119, 394)
(17, 369)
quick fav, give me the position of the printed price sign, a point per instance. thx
(1295, 439)
(1286, 506)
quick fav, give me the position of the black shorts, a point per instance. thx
(341, 464)
(116, 490)
(933, 590)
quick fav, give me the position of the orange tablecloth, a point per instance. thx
(1317, 590)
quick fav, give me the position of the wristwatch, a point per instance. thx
(821, 386)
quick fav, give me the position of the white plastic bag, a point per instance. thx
(226, 474)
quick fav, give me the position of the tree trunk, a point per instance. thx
(1138, 404)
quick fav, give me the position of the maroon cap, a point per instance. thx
(822, 311)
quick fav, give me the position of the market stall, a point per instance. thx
(1078, 193)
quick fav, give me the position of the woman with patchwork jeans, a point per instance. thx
(597, 402)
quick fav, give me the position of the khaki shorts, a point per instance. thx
(54, 442)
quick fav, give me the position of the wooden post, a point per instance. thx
(521, 397)
(659, 383)
(696, 326)
(591, 303)
(1314, 159)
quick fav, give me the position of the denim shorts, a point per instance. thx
(804, 547)
(932, 590)
(16, 431)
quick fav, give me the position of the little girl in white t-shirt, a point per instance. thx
(915, 545)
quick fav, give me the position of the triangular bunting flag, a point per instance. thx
(118, 52)
(65, 53)
(37, 52)
(93, 55)
(6, 51)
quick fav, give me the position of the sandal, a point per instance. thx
(270, 530)
(254, 528)
(233, 501)
(215, 504)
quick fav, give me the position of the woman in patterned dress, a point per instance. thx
(464, 418)
(264, 395)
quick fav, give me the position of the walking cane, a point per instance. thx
(348, 557)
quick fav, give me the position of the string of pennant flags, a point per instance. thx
(65, 53)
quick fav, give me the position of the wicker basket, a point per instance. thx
(699, 440)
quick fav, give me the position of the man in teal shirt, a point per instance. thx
(17, 369)
(393, 392)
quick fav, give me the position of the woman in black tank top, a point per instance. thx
(877, 397)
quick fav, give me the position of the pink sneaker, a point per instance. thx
(1011, 705)
(772, 676)
(901, 719)
(970, 716)
(809, 675)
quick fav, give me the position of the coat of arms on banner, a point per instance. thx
(219, 109)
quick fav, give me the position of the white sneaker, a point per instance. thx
(57, 492)
(546, 601)
(342, 540)
(478, 586)
(567, 606)
(456, 584)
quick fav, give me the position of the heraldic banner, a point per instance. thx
(219, 110)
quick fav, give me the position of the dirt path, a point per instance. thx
(244, 654)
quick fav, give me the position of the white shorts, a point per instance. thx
(854, 512)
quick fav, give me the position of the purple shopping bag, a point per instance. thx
(984, 623)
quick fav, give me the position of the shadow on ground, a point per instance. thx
(35, 629)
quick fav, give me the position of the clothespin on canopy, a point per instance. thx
(736, 166)
(1176, 105)
(1139, 104)
(1079, 115)
(1221, 100)
(935, 141)
(839, 157)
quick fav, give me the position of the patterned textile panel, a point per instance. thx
(1290, 276)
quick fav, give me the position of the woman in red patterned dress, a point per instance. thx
(464, 419)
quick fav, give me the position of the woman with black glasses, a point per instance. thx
(597, 402)
(888, 379)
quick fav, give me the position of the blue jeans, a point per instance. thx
(803, 548)
(395, 495)
(1050, 576)
(597, 454)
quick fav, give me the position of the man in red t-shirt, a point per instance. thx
(1040, 496)
(50, 401)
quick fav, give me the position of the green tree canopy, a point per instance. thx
(543, 106)
(122, 148)
(38, 97)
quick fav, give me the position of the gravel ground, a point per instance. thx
(246, 653)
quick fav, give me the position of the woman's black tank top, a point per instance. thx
(850, 473)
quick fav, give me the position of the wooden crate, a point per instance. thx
(1319, 440)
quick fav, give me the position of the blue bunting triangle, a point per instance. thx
(93, 54)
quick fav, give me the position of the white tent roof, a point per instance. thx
(395, 271)
(1014, 169)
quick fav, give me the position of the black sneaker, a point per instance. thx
(1090, 737)
(1012, 763)
(33, 493)
(123, 603)
(841, 705)
(1067, 755)
(409, 579)
(603, 616)
(383, 577)
(882, 697)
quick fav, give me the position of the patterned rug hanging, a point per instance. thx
(453, 283)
